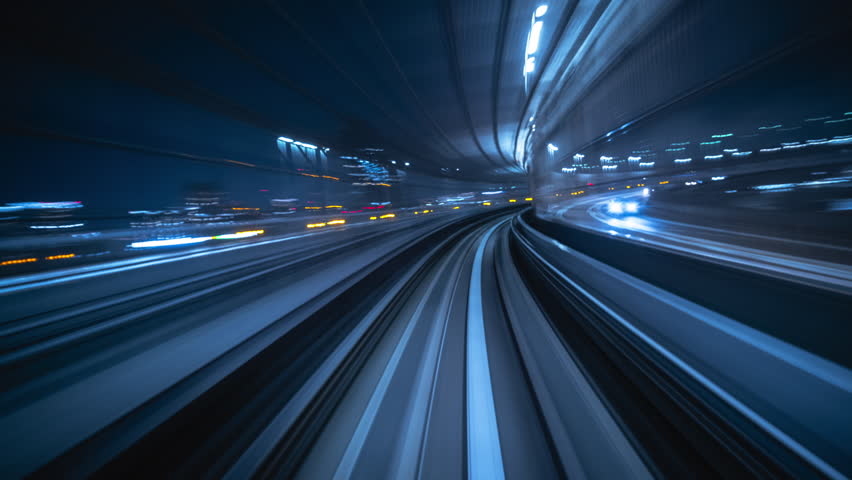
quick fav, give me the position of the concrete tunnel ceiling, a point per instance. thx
(476, 89)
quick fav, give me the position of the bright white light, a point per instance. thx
(631, 207)
(568, 170)
(231, 236)
(535, 33)
(493, 193)
(682, 160)
(50, 227)
(540, 11)
(579, 156)
(742, 154)
(716, 179)
(604, 158)
(552, 148)
(609, 167)
(712, 157)
(285, 139)
(407, 164)
(615, 207)
(306, 145)
(530, 65)
(646, 192)
(634, 159)
(169, 242)
(646, 164)
(393, 162)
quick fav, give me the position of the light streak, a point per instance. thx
(170, 242)
(59, 257)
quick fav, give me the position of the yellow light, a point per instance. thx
(22, 260)
(665, 182)
(334, 206)
(456, 208)
(373, 218)
(384, 184)
(316, 225)
(313, 208)
(417, 213)
(511, 200)
(628, 186)
(388, 215)
(330, 177)
(528, 199)
(59, 257)
(487, 204)
(337, 222)
(251, 232)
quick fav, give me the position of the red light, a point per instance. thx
(590, 184)
(264, 190)
(381, 206)
(370, 208)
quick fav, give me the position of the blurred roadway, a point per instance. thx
(821, 264)
(452, 346)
